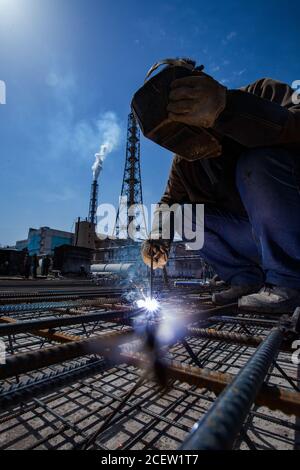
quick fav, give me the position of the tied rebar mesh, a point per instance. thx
(68, 400)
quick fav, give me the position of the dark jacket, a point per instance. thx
(260, 115)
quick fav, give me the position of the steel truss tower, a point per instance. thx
(132, 183)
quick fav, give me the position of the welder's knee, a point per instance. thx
(252, 164)
(267, 182)
(261, 168)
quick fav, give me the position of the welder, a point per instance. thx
(245, 170)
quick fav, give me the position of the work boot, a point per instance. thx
(272, 299)
(232, 295)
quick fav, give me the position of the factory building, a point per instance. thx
(21, 244)
(11, 261)
(72, 260)
(44, 240)
(85, 234)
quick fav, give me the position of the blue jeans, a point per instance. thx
(265, 246)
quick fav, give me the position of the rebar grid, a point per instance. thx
(153, 418)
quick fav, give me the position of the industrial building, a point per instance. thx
(44, 240)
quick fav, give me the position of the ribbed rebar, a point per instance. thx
(44, 306)
(52, 322)
(226, 336)
(105, 344)
(34, 387)
(218, 429)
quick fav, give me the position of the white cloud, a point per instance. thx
(60, 82)
(80, 137)
(230, 36)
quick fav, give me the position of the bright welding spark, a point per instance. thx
(149, 304)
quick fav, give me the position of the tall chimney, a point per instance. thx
(93, 202)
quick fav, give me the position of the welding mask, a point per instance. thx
(149, 105)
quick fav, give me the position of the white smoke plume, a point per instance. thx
(110, 133)
(99, 158)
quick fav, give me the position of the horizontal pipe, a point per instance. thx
(220, 426)
(191, 283)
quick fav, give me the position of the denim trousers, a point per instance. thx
(265, 246)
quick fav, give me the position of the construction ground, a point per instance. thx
(82, 372)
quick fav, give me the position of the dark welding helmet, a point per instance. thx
(149, 105)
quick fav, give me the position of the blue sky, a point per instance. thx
(68, 62)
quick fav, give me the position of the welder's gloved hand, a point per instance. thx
(197, 101)
(160, 250)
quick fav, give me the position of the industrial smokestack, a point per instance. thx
(110, 133)
(93, 202)
(98, 164)
(110, 137)
(97, 168)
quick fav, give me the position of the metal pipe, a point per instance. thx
(218, 429)
(191, 283)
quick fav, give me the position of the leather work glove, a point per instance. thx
(197, 101)
(160, 250)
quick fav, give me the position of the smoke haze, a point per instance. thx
(110, 133)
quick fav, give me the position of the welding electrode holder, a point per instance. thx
(149, 105)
